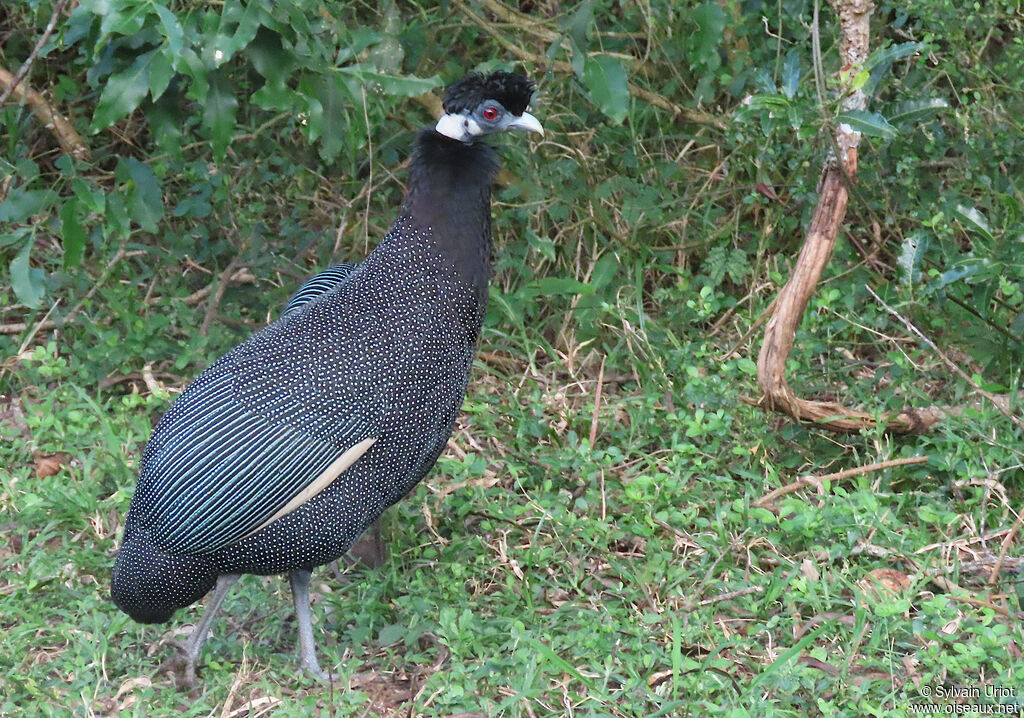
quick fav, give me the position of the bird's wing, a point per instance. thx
(319, 284)
(243, 446)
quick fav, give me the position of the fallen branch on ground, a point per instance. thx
(806, 481)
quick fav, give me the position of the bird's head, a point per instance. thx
(480, 105)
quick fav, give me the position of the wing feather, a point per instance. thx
(217, 471)
(259, 432)
(320, 284)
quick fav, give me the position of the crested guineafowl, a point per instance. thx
(283, 451)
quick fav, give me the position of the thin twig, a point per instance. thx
(838, 476)
(241, 276)
(981, 603)
(25, 66)
(761, 319)
(597, 404)
(218, 293)
(1003, 548)
(731, 595)
(953, 366)
(19, 327)
(521, 22)
(38, 327)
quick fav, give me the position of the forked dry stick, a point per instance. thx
(780, 331)
(806, 481)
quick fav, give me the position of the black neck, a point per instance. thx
(450, 194)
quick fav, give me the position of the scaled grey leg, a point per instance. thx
(307, 650)
(202, 629)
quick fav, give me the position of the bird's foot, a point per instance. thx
(188, 673)
(180, 666)
(312, 668)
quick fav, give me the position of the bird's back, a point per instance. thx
(386, 355)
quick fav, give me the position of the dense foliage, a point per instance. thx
(236, 147)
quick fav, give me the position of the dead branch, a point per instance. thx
(218, 293)
(19, 327)
(27, 65)
(1003, 548)
(806, 481)
(731, 595)
(240, 276)
(69, 140)
(780, 332)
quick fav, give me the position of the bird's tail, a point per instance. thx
(150, 584)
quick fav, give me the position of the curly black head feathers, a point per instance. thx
(511, 90)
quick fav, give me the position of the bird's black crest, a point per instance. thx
(511, 90)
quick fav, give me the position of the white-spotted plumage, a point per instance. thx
(283, 451)
(384, 354)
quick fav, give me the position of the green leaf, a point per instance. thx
(579, 55)
(767, 102)
(911, 254)
(879, 63)
(605, 78)
(91, 198)
(605, 270)
(195, 68)
(396, 85)
(503, 302)
(885, 56)
(23, 203)
(868, 123)
(122, 93)
(270, 60)
(219, 113)
(172, 31)
(333, 125)
(238, 26)
(27, 281)
(392, 633)
(145, 203)
(542, 245)
(72, 234)
(791, 73)
(951, 276)
(580, 23)
(914, 110)
(117, 223)
(711, 21)
(161, 70)
(860, 80)
(166, 119)
(974, 220)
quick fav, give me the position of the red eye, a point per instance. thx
(491, 113)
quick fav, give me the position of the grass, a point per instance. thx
(539, 572)
(534, 574)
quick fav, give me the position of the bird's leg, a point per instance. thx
(307, 650)
(199, 633)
